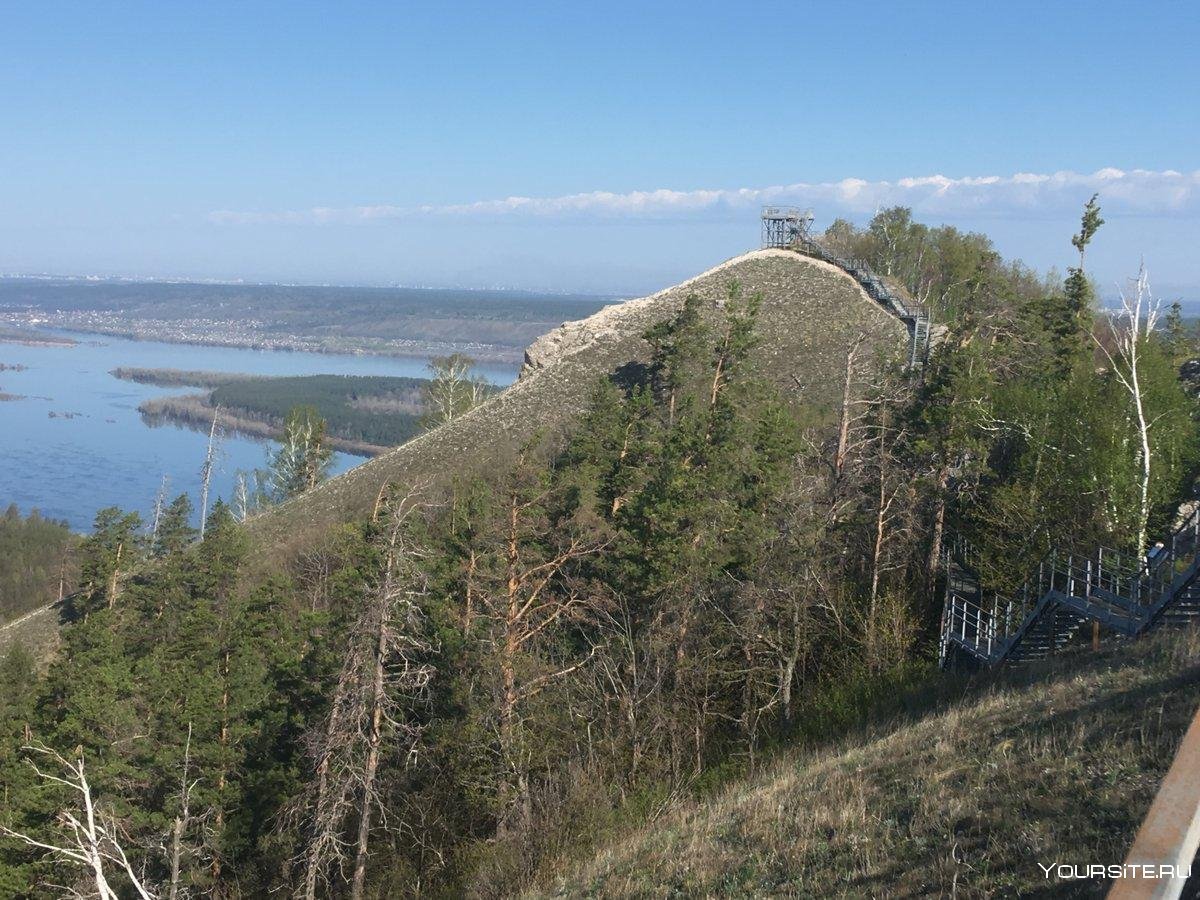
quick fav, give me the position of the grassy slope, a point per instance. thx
(1056, 763)
(36, 631)
(811, 314)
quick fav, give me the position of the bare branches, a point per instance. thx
(88, 833)
(384, 679)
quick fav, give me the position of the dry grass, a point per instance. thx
(36, 631)
(1055, 764)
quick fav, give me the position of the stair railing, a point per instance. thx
(1146, 583)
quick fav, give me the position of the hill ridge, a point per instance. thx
(812, 312)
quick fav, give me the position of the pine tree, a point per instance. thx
(175, 530)
(113, 549)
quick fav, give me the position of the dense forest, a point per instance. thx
(35, 562)
(379, 410)
(458, 691)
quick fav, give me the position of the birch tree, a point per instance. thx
(1131, 327)
(451, 390)
(206, 470)
(304, 456)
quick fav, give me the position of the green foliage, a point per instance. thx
(115, 546)
(35, 553)
(379, 410)
(175, 530)
(701, 568)
(959, 274)
(1088, 226)
(451, 389)
(303, 458)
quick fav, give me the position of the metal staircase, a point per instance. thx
(914, 315)
(1065, 592)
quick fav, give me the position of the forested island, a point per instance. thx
(365, 414)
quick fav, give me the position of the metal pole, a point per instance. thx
(1170, 833)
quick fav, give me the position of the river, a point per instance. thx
(75, 442)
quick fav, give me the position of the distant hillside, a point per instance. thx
(812, 313)
(490, 325)
(962, 797)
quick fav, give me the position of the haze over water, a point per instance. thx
(104, 455)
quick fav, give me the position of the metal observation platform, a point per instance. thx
(790, 227)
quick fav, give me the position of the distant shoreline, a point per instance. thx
(483, 353)
(31, 338)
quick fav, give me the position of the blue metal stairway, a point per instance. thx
(1065, 592)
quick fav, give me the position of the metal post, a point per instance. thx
(992, 626)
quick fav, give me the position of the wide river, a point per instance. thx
(76, 442)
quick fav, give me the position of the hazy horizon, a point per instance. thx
(575, 150)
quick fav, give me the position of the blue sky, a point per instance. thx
(379, 143)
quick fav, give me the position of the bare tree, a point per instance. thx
(88, 833)
(160, 500)
(525, 603)
(1130, 327)
(452, 390)
(241, 497)
(182, 820)
(206, 470)
(383, 681)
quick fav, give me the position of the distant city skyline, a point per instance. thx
(610, 150)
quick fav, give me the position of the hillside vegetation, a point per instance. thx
(35, 553)
(811, 315)
(704, 527)
(962, 794)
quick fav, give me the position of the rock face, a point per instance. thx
(811, 314)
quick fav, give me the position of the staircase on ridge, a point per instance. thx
(1065, 592)
(914, 315)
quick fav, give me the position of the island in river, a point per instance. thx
(76, 442)
(365, 414)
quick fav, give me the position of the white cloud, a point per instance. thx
(1123, 192)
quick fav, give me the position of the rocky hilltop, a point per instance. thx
(812, 312)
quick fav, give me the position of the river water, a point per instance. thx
(75, 443)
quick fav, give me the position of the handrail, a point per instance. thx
(1104, 585)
